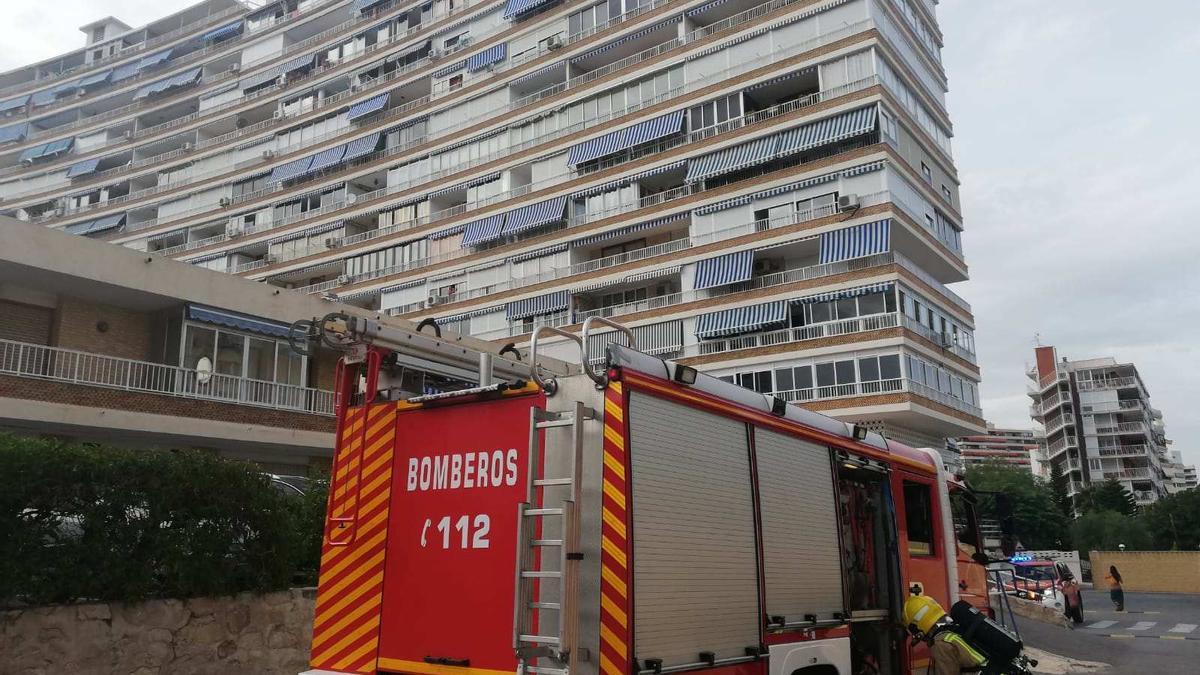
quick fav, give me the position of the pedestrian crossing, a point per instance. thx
(1165, 630)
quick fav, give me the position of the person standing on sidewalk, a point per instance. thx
(1072, 598)
(1116, 588)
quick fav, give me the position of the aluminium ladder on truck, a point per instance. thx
(635, 520)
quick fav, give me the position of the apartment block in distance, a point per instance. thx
(1099, 423)
(764, 189)
(1015, 447)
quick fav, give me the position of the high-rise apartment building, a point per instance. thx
(1015, 447)
(1180, 476)
(763, 189)
(1099, 423)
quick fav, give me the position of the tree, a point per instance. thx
(1037, 521)
(1058, 491)
(1107, 530)
(1107, 496)
(1174, 521)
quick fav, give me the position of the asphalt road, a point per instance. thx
(1158, 634)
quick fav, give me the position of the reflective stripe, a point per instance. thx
(956, 639)
(740, 319)
(856, 242)
(369, 106)
(536, 306)
(730, 268)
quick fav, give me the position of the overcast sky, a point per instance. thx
(1075, 138)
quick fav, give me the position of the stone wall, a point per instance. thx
(261, 634)
(1154, 571)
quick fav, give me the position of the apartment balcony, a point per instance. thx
(1123, 428)
(82, 369)
(1108, 383)
(1051, 402)
(1061, 445)
(1124, 451)
(1129, 474)
(1112, 406)
(1060, 422)
(1072, 464)
(1143, 497)
(892, 386)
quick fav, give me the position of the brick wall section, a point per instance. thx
(1151, 571)
(159, 404)
(129, 333)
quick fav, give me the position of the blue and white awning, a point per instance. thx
(844, 293)
(94, 79)
(626, 180)
(298, 63)
(360, 147)
(738, 157)
(236, 320)
(541, 213)
(722, 270)
(154, 60)
(98, 225)
(183, 79)
(454, 318)
(448, 232)
(14, 103)
(515, 8)
(307, 232)
(449, 70)
(655, 274)
(369, 106)
(783, 78)
(465, 185)
(705, 7)
(537, 306)
(223, 32)
(539, 253)
(327, 158)
(483, 230)
(83, 168)
(557, 66)
(292, 169)
(616, 141)
(856, 242)
(125, 72)
(741, 319)
(487, 57)
(622, 231)
(14, 132)
(722, 205)
(629, 38)
(831, 130)
(259, 79)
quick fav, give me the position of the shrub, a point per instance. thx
(88, 522)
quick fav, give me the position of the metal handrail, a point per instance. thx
(549, 386)
(600, 379)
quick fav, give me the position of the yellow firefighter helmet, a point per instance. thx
(922, 613)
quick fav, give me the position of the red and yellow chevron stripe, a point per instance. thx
(346, 623)
(615, 600)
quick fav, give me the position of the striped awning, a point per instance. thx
(52, 148)
(465, 185)
(541, 213)
(327, 158)
(622, 231)
(405, 285)
(307, 232)
(722, 205)
(536, 306)
(94, 78)
(14, 132)
(705, 7)
(453, 318)
(655, 274)
(539, 253)
(618, 140)
(125, 72)
(369, 106)
(783, 78)
(831, 130)
(224, 31)
(360, 147)
(259, 79)
(733, 159)
(154, 60)
(183, 79)
(102, 224)
(483, 230)
(448, 232)
(741, 319)
(629, 38)
(223, 317)
(446, 71)
(722, 270)
(856, 242)
(515, 8)
(298, 63)
(14, 103)
(292, 169)
(487, 57)
(83, 168)
(360, 5)
(844, 293)
(655, 338)
(559, 65)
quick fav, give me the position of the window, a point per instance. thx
(918, 518)
(845, 372)
(759, 381)
(820, 311)
(868, 369)
(587, 19)
(947, 194)
(715, 112)
(889, 367)
(872, 303)
(847, 308)
(98, 54)
(926, 173)
(825, 375)
(456, 82)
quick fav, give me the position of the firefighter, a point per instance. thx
(952, 655)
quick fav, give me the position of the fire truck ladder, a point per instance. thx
(542, 588)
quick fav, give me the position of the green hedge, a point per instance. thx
(85, 522)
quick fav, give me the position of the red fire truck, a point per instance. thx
(624, 516)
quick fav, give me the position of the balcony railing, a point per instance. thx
(1128, 474)
(945, 340)
(1144, 496)
(1110, 383)
(897, 385)
(1123, 428)
(1123, 451)
(1059, 422)
(1060, 445)
(776, 337)
(1112, 406)
(75, 367)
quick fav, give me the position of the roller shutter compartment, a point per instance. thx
(801, 560)
(695, 564)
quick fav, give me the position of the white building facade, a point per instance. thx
(765, 190)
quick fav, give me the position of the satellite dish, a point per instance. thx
(204, 370)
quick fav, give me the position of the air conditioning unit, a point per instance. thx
(343, 279)
(278, 114)
(435, 54)
(225, 202)
(432, 300)
(464, 41)
(333, 242)
(268, 155)
(187, 147)
(553, 42)
(847, 203)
